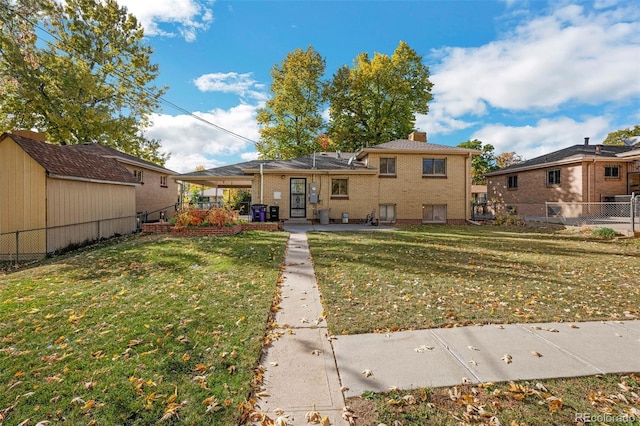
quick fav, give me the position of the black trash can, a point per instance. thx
(259, 213)
(274, 213)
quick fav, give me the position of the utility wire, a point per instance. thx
(116, 71)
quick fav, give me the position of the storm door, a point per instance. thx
(298, 194)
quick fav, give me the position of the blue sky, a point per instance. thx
(525, 76)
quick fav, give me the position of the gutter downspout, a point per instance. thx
(261, 184)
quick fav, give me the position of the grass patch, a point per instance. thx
(147, 329)
(443, 276)
(610, 399)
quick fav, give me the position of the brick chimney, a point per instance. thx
(30, 134)
(418, 136)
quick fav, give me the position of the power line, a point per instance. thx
(124, 76)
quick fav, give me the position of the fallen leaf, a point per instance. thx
(507, 358)
(367, 373)
(536, 354)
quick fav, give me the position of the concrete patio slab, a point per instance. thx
(405, 360)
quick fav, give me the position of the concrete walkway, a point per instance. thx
(306, 371)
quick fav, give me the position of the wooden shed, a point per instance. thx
(53, 197)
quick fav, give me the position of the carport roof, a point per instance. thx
(242, 174)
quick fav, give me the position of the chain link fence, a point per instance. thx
(623, 215)
(21, 247)
(31, 245)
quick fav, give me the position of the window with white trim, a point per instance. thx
(138, 174)
(512, 182)
(163, 181)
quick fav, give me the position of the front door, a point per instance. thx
(298, 196)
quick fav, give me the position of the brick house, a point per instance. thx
(402, 181)
(579, 173)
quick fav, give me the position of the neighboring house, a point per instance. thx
(157, 194)
(213, 197)
(57, 196)
(402, 181)
(579, 173)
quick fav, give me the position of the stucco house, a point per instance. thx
(402, 181)
(579, 173)
(56, 197)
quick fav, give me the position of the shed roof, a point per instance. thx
(106, 151)
(61, 161)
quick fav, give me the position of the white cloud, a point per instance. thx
(547, 135)
(187, 16)
(194, 143)
(231, 82)
(570, 56)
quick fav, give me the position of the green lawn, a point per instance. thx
(145, 330)
(423, 277)
(436, 276)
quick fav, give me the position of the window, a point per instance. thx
(434, 213)
(388, 166)
(612, 172)
(163, 181)
(339, 188)
(512, 182)
(553, 177)
(387, 212)
(434, 167)
(138, 175)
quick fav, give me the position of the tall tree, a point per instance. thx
(292, 119)
(376, 100)
(480, 164)
(79, 72)
(507, 159)
(618, 137)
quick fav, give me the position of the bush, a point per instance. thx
(606, 233)
(191, 216)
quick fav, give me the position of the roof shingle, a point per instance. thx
(67, 162)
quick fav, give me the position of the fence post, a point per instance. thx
(632, 207)
(17, 247)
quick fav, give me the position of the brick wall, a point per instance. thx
(408, 191)
(152, 196)
(579, 182)
(167, 228)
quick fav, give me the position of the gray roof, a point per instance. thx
(322, 161)
(576, 152)
(408, 145)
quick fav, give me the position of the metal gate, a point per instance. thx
(298, 198)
